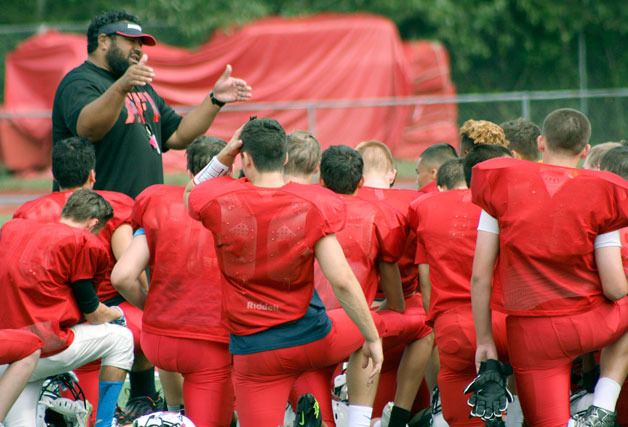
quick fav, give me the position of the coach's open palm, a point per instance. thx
(231, 89)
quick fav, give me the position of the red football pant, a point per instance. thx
(543, 348)
(454, 334)
(396, 329)
(263, 381)
(16, 344)
(206, 370)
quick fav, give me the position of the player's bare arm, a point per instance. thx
(120, 240)
(486, 250)
(98, 117)
(349, 293)
(226, 89)
(612, 275)
(390, 284)
(425, 284)
(128, 269)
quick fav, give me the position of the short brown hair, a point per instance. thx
(521, 135)
(566, 130)
(304, 153)
(376, 155)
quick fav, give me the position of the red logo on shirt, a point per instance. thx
(136, 104)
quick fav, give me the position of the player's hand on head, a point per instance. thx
(231, 89)
(374, 354)
(484, 352)
(138, 74)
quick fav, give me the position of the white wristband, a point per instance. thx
(212, 170)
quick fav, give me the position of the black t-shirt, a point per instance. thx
(128, 157)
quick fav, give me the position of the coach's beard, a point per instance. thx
(118, 64)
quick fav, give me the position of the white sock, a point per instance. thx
(571, 423)
(606, 394)
(514, 414)
(359, 416)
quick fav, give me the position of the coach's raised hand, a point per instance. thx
(230, 89)
(138, 74)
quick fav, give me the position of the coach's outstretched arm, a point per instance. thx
(486, 250)
(226, 89)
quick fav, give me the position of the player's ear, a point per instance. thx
(540, 143)
(103, 41)
(360, 182)
(92, 225)
(285, 161)
(321, 182)
(585, 151)
(91, 178)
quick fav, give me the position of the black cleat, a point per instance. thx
(308, 413)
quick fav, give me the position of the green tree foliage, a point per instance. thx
(494, 45)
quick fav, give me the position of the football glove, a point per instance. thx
(120, 320)
(490, 395)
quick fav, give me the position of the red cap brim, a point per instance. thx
(147, 39)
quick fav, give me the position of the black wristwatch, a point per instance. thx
(216, 101)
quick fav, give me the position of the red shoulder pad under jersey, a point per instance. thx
(205, 194)
(184, 267)
(549, 217)
(265, 240)
(45, 208)
(330, 206)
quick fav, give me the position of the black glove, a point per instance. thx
(490, 394)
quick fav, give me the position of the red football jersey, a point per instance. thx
(549, 217)
(371, 235)
(446, 228)
(48, 209)
(400, 200)
(264, 240)
(185, 295)
(38, 262)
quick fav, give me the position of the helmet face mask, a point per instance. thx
(53, 410)
(163, 419)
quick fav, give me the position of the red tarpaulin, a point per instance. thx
(327, 57)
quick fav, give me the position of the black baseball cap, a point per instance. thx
(128, 29)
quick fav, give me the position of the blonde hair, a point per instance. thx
(376, 156)
(304, 153)
(484, 132)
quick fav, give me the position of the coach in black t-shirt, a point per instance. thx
(109, 100)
